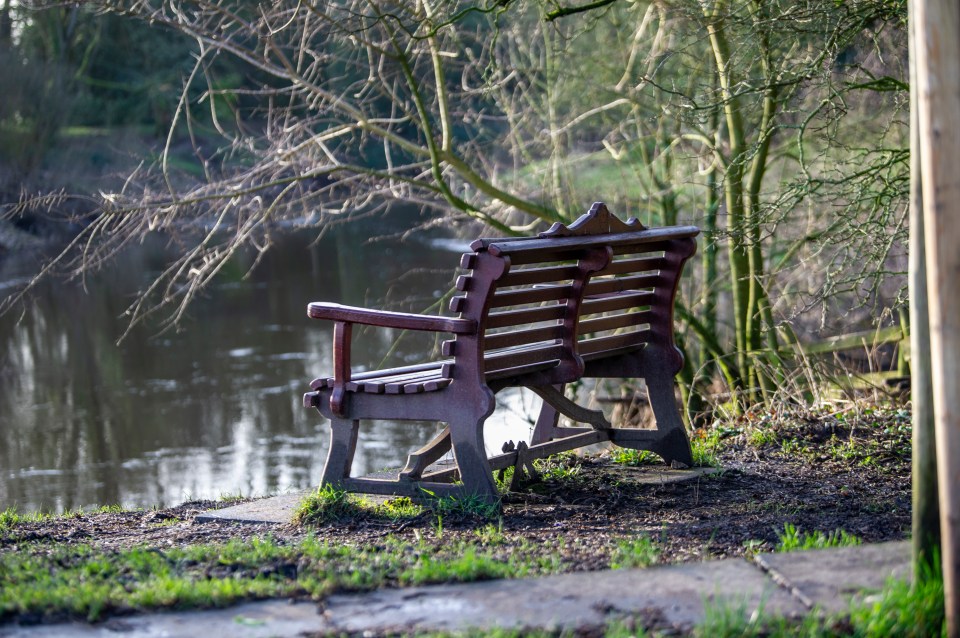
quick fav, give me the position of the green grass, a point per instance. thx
(565, 466)
(633, 458)
(793, 540)
(11, 517)
(639, 552)
(705, 448)
(328, 505)
(60, 581)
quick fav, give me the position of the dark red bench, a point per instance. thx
(592, 300)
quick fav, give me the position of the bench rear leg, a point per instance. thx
(546, 427)
(673, 444)
(343, 445)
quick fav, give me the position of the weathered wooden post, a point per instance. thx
(938, 93)
(926, 510)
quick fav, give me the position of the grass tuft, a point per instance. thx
(792, 540)
(639, 552)
(326, 505)
(633, 458)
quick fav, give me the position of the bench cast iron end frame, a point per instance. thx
(590, 300)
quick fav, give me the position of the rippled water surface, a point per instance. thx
(214, 409)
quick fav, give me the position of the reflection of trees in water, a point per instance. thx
(213, 409)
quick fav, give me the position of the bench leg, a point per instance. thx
(466, 434)
(546, 427)
(343, 445)
(674, 445)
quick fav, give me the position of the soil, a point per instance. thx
(847, 471)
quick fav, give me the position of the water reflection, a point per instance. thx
(214, 409)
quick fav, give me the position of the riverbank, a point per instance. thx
(784, 481)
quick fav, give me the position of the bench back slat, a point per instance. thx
(524, 317)
(528, 296)
(519, 337)
(613, 344)
(532, 276)
(518, 358)
(622, 284)
(617, 301)
(612, 322)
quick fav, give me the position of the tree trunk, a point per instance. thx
(938, 86)
(6, 26)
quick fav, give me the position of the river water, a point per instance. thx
(215, 408)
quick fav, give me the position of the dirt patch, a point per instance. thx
(818, 473)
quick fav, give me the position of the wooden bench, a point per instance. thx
(592, 300)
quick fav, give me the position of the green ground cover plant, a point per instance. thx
(792, 539)
(81, 581)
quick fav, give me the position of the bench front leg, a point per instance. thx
(342, 339)
(343, 445)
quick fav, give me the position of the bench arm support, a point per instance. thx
(345, 316)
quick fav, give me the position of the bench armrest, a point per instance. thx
(345, 316)
(386, 319)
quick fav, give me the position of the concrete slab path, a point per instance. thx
(670, 596)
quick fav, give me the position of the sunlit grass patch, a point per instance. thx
(79, 581)
(566, 466)
(633, 458)
(638, 552)
(793, 540)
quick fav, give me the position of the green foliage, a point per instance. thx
(903, 609)
(326, 505)
(638, 552)
(468, 506)
(633, 458)
(329, 505)
(704, 445)
(491, 535)
(565, 466)
(469, 566)
(793, 540)
(11, 517)
(84, 582)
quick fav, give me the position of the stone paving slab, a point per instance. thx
(279, 509)
(830, 578)
(268, 619)
(274, 509)
(672, 595)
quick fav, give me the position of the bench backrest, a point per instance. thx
(597, 288)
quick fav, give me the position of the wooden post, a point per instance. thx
(938, 86)
(926, 510)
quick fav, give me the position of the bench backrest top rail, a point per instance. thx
(513, 246)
